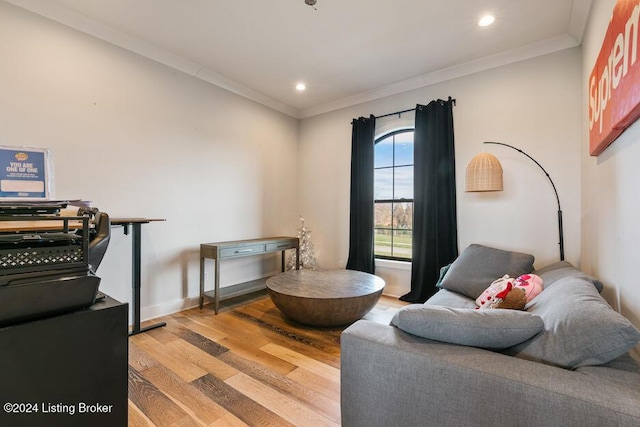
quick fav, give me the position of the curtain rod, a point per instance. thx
(397, 112)
(406, 111)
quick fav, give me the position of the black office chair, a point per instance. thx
(99, 236)
(99, 239)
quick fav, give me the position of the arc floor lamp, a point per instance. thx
(484, 173)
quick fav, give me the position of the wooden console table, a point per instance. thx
(241, 248)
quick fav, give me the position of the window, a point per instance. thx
(393, 194)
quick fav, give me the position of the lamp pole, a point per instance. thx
(560, 230)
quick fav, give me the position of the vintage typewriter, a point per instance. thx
(48, 261)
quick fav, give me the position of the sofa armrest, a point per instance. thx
(389, 377)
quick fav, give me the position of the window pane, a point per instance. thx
(382, 242)
(404, 149)
(402, 244)
(403, 216)
(403, 183)
(393, 181)
(383, 184)
(382, 215)
(383, 153)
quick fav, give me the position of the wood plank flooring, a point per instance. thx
(247, 366)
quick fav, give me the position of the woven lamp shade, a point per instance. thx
(484, 173)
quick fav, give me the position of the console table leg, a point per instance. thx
(201, 282)
(217, 284)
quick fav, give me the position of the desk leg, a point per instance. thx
(298, 258)
(135, 279)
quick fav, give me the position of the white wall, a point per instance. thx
(533, 105)
(139, 139)
(610, 202)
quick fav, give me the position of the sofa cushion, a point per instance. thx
(580, 328)
(450, 299)
(494, 329)
(556, 271)
(478, 266)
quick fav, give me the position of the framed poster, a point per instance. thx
(614, 83)
(25, 173)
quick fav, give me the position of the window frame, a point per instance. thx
(393, 200)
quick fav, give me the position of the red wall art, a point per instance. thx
(614, 83)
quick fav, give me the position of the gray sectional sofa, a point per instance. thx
(564, 361)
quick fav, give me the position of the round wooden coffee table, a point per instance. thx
(325, 297)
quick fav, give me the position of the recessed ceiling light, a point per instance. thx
(300, 87)
(486, 20)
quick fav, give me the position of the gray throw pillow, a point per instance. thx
(580, 328)
(494, 329)
(474, 270)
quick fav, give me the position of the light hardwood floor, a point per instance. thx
(246, 366)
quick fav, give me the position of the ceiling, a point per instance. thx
(347, 52)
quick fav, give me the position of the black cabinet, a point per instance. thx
(66, 370)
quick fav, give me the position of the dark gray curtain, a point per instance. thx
(435, 235)
(361, 216)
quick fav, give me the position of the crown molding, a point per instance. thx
(533, 50)
(579, 16)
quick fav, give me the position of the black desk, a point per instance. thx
(66, 370)
(136, 225)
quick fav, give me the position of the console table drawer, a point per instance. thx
(281, 246)
(241, 251)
